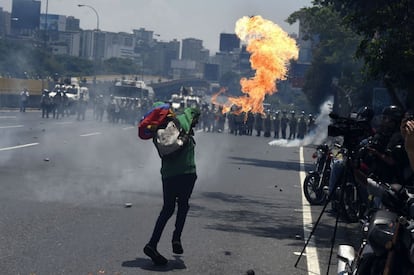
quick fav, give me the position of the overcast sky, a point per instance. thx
(201, 19)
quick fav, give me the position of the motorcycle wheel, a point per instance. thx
(352, 205)
(313, 192)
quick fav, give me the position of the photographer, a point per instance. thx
(387, 146)
(407, 131)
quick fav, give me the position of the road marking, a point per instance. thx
(66, 122)
(128, 128)
(301, 210)
(18, 146)
(7, 116)
(11, 126)
(91, 134)
(311, 253)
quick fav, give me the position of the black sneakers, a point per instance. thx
(155, 256)
(177, 248)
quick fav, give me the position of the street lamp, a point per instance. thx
(95, 42)
(97, 15)
(46, 27)
(97, 29)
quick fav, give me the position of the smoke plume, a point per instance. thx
(316, 136)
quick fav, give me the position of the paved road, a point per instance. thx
(65, 184)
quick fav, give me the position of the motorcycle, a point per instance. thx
(317, 179)
(387, 245)
(348, 197)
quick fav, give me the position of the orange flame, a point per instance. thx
(215, 96)
(271, 50)
(225, 106)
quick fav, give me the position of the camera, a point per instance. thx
(409, 115)
(352, 129)
(344, 126)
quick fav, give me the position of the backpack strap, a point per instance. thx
(180, 142)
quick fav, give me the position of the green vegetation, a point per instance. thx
(333, 57)
(27, 60)
(360, 43)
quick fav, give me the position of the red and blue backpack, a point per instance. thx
(155, 117)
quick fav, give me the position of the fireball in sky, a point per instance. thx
(271, 50)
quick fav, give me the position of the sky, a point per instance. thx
(173, 19)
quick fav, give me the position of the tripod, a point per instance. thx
(314, 229)
(344, 176)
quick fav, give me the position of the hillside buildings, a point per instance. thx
(61, 34)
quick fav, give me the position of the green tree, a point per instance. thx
(387, 47)
(23, 59)
(120, 65)
(333, 55)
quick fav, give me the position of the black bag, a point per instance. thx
(170, 138)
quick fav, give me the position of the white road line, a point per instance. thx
(91, 134)
(128, 128)
(11, 126)
(7, 117)
(18, 146)
(311, 252)
(65, 122)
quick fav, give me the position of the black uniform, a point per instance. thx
(283, 125)
(276, 126)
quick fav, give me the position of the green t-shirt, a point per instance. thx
(182, 162)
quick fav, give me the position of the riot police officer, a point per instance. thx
(293, 123)
(276, 125)
(283, 124)
(45, 103)
(301, 126)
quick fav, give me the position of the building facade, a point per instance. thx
(162, 55)
(25, 17)
(229, 42)
(172, 59)
(5, 18)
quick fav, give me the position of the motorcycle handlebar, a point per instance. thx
(323, 147)
(394, 196)
(375, 188)
(343, 119)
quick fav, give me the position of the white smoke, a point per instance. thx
(113, 171)
(316, 136)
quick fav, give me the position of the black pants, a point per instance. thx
(176, 189)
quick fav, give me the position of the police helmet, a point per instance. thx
(393, 112)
